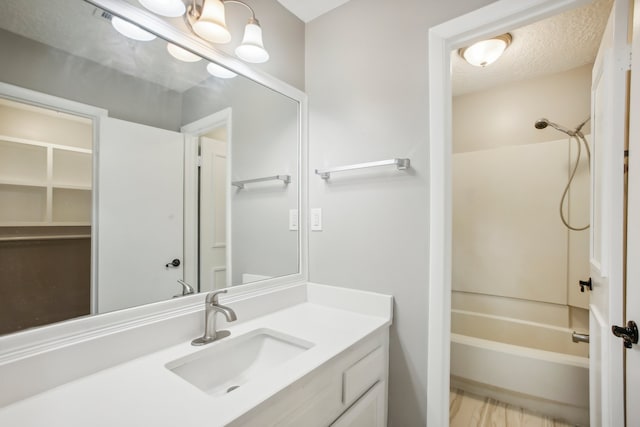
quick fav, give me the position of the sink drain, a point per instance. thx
(233, 387)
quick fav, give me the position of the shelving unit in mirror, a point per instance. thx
(43, 183)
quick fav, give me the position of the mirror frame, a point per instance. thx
(36, 340)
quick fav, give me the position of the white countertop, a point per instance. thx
(143, 392)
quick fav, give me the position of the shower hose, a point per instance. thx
(580, 139)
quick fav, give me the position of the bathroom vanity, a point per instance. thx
(305, 354)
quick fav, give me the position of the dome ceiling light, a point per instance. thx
(486, 52)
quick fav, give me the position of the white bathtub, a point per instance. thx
(553, 383)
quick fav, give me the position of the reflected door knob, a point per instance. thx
(173, 264)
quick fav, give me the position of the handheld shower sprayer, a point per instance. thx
(543, 123)
(580, 139)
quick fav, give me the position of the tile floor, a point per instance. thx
(470, 410)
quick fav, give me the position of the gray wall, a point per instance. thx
(366, 76)
(283, 36)
(263, 143)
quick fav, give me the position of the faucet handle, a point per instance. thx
(212, 297)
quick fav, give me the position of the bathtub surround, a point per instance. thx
(515, 266)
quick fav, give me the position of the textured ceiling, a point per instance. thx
(556, 44)
(308, 10)
(77, 28)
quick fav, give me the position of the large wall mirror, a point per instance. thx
(129, 177)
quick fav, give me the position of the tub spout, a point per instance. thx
(577, 337)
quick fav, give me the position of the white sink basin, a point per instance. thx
(232, 362)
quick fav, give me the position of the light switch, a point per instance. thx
(316, 219)
(293, 219)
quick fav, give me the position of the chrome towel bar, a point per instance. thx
(284, 178)
(401, 164)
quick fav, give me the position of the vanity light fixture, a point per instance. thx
(486, 52)
(219, 71)
(207, 19)
(182, 54)
(130, 30)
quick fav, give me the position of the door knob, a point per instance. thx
(587, 284)
(628, 334)
(173, 264)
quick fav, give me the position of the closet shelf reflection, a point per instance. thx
(401, 164)
(241, 184)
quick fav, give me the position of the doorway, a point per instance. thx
(494, 19)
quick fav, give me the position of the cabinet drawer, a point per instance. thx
(360, 376)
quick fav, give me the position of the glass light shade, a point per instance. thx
(251, 49)
(130, 30)
(486, 52)
(211, 24)
(218, 71)
(182, 54)
(170, 8)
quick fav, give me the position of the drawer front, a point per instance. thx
(360, 376)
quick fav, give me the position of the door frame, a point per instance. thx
(193, 131)
(51, 102)
(496, 18)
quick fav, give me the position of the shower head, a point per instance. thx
(543, 123)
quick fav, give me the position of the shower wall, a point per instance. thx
(513, 260)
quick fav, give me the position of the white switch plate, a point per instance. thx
(293, 219)
(316, 219)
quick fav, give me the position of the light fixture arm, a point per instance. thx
(194, 10)
(253, 13)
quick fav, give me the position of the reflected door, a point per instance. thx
(140, 214)
(213, 206)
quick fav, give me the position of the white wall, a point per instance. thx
(366, 76)
(505, 115)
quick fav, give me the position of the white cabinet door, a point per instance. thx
(140, 214)
(608, 104)
(368, 411)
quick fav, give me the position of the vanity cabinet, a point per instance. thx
(368, 411)
(349, 390)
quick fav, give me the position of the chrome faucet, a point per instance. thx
(187, 289)
(211, 307)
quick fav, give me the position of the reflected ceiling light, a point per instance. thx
(182, 54)
(169, 8)
(219, 71)
(130, 30)
(486, 52)
(207, 19)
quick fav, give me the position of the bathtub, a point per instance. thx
(554, 383)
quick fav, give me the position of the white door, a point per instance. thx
(608, 104)
(140, 214)
(633, 229)
(213, 214)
